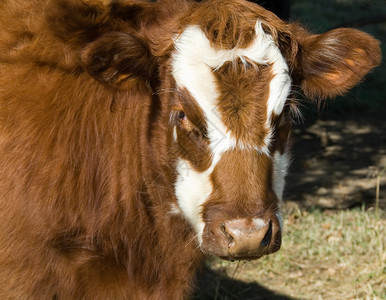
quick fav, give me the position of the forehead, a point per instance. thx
(210, 74)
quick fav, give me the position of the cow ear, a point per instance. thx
(115, 58)
(331, 63)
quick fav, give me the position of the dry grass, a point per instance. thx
(325, 255)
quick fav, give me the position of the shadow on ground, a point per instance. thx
(216, 286)
(335, 162)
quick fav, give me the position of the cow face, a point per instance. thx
(231, 193)
(231, 67)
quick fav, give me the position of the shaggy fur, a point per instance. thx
(88, 106)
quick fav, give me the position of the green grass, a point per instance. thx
(325, 255)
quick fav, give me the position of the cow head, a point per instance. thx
(227, 73)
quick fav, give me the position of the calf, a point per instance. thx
(137, 137)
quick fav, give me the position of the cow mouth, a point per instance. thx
(247, 256)
(233, 258)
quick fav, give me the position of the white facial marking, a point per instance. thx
(281, 163)
(280, 166)
(192, 66)
(280, 219)
(192, 189)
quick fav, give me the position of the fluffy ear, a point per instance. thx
(331, 63)
(116, 57)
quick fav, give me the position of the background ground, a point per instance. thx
(334, 240)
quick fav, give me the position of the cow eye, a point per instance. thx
(181, 115)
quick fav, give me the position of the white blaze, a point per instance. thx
(192, 65)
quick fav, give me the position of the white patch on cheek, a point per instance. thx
(192, 189)
(280, 219)
(280, 167)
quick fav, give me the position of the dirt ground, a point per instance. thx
(335, 162)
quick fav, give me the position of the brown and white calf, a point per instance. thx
(136, 138)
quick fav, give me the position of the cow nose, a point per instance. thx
(248, 239)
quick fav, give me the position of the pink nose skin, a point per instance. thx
(247, 238)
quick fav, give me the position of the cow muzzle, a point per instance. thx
(242, 238)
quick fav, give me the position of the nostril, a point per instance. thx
(268, 236)
(222, 228)
(229, 237)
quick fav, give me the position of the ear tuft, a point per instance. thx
(331, 63)
(115, 57)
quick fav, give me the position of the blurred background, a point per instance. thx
(334, 241)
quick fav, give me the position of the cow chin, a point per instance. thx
(242, 238)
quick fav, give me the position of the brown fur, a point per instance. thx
(243, 104)
(86, 142)
(192, 142)
(347, 55)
